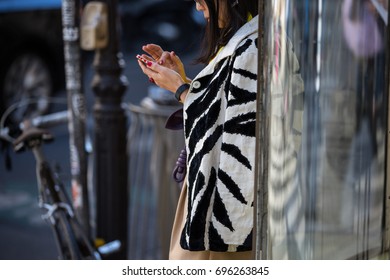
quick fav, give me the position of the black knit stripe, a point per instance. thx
(195, 110)
(245, 73)
(183, 240)
(204, 124)
(246, 129)
(218, 78)
(220, 212)
(215, 83)
(208, 144)
(221, 70)
(240, 96)
(195, 160)
(235, 152)
(244, 124)
(232, 186)
(199, 185)
(247, 245)
(228, 81)
(217, 244)
(197, 227)
(243, 47)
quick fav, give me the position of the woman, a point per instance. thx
(214, 217)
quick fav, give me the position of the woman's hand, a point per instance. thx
(168, 59)
(162, 76)
(154, 51)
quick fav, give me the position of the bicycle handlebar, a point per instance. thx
(44, 121)
(49, 120)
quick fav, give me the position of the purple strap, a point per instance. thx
(175, 122)
(179, 173)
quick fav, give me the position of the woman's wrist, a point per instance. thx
(181, 92)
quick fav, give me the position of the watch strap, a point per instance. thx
(180, 91)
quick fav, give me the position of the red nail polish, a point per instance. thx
(151, 80)
(149, 64)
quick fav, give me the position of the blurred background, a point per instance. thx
(31, 32)
(32, 66)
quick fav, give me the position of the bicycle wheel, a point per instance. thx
(87, 249)
(66, 238)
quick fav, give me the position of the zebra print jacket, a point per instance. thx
(219, 130)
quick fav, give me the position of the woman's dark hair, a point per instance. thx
(215, 37)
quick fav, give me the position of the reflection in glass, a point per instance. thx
(325, 102)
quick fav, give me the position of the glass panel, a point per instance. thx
(325, 103)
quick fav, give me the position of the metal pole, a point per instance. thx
(110, 167)
(260, 216)
(76, 109)
(386, 238)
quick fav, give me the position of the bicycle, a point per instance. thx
(71, 239)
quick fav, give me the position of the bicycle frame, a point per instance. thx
(71, 237)
(71, 240)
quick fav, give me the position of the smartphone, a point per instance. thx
(142, 59)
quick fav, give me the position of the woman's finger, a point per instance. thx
(148, 57)
(151, 53)
(147, 71)
(165, 56)
(156, 49)
(152, 66)
(153, 50)
(175, 58)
